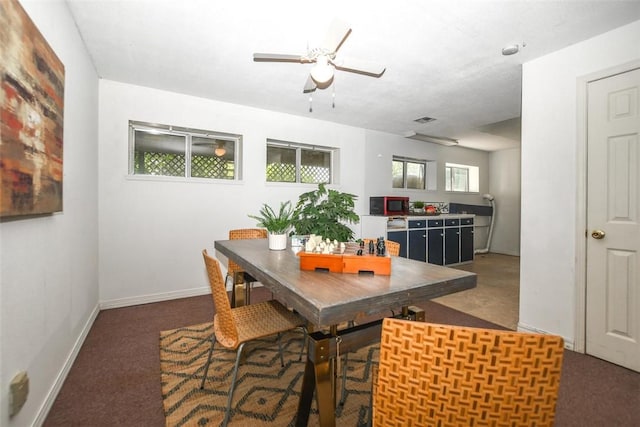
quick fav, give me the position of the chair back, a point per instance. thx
(223, 323)
(393, 248)
(244, 233)
(450, 375)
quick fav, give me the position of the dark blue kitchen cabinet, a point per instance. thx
(435, 240)
(442, 240)
(418, 244)
(466, 243)
(451, 245)
(449, 240)
(417, 239)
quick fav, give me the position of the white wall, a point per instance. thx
(49, 264)
(504, 185)
(551, 176)
(152, 232)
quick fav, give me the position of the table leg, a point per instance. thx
(325, 392)
(306, 396)
(318, 376)
(238, 290)
(319, 371)
(413, 313)
(247, 293)
(333, 368)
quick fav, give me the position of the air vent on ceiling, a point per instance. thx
(433, 139)
(424, 119)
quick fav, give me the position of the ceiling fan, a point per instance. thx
(324, 57)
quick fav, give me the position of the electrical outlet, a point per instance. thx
(18, 391)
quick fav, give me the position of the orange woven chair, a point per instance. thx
(241, 280)
(450, 375)
(234, 327)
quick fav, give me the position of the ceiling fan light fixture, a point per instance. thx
(322, 72)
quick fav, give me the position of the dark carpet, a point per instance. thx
(115, 380)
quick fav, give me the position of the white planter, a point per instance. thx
(278, 242)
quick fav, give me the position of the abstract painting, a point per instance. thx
(31, 117)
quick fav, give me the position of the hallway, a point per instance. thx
(497, 295)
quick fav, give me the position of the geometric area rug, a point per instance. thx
(266, 393)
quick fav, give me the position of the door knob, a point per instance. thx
(597, 234)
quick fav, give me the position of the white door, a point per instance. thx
(613, 220)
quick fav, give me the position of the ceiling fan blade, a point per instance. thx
(359, 66)
(338, 32)
(309, 86)
(276, 57)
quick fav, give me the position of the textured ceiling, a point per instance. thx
(443, 58)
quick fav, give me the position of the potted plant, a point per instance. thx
(418, 206)
(277, 224)
(324, 212)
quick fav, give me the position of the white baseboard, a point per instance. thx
(507, 252)
(146, 299)
(568, 344)
(163, 296)
(66, 367)
(104, 305)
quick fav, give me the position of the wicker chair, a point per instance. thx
(451, 375)
(241, 280)
(234, 327)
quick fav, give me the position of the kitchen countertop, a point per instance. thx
(445, 215)
(422, 216)
(401, 222)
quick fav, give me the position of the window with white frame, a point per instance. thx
(293, 162)
(172, 151)
(462, 178)
(409, 173)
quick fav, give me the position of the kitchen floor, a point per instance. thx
(497, 294)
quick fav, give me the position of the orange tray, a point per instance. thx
(346, 263)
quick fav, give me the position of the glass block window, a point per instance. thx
(162, 150)
(289, 162)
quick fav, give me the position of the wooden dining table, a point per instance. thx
(327, 300)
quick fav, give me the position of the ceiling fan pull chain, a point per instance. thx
(333, 95)
(311, 103)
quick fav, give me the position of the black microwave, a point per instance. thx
(388, 205)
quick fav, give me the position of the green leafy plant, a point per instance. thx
(324, 212)
(275, 223)
(418, 205)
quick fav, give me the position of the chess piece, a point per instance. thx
(381, 248)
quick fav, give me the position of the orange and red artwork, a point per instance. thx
(31, 117)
